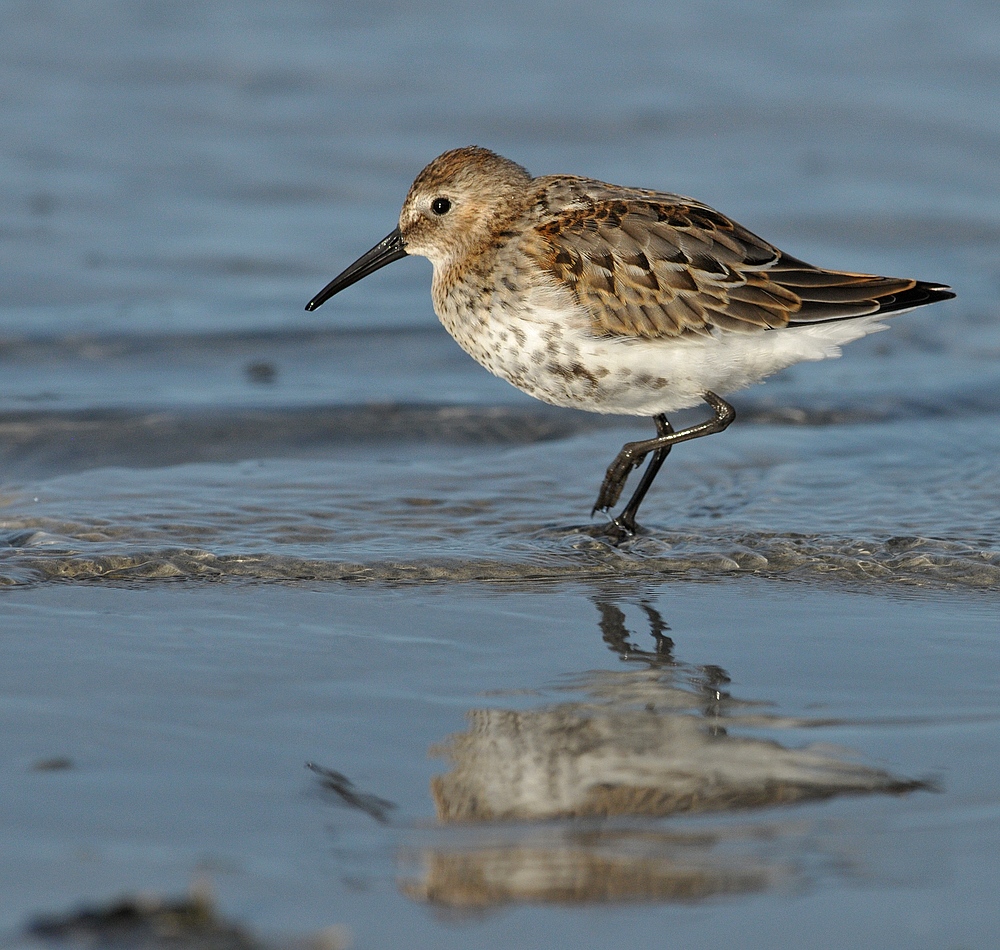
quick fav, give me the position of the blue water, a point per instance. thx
(240, 537)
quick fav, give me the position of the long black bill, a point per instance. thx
(389, 249)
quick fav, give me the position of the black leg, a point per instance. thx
(633, 453)
(626, 520)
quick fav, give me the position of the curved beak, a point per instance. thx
(389, 249)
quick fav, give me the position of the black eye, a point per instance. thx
(440, 206)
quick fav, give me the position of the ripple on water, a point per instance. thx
(443, 494)
(547, 555)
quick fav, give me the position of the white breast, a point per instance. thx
(544, 346)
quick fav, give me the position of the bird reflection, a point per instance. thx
(710, 678)
(634, 745)
(616, 634)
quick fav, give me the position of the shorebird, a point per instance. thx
(620, 300)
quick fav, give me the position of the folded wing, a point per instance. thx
(660, 266)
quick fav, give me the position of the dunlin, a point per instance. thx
(620, 300)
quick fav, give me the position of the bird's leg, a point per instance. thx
(626, 520)
(628, 458)
(633, 453)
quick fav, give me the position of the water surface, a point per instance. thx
(240, 539)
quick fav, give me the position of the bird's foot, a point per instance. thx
(616, 530)
(615, 478)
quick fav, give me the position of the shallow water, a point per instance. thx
(240, 538)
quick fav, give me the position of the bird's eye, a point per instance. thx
(440, 206)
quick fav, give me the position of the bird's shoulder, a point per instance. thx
(648, 263)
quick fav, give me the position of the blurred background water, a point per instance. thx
(240, 537)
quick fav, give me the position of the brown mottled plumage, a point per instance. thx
(620, 300)
(661, 266)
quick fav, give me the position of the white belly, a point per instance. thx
(551, 355)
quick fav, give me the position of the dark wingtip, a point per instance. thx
(936, 292)
(921, 294)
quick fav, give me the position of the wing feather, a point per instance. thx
(648, 265)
